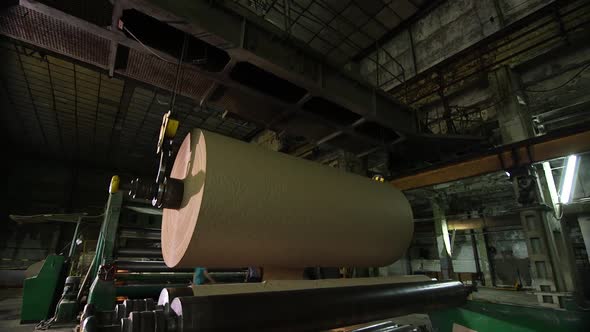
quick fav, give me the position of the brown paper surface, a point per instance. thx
(245, 205)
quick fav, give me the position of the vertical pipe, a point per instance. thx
(287, 9)
(74, 238)
(476, 258)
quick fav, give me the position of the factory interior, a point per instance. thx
(295, 165)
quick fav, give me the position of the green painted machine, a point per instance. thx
(127, 263)
(483, 316)
(41, 291)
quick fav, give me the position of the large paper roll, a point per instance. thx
(244, 205)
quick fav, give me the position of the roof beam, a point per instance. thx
(554, 145)
(34, 37)
(407, 24)
(251, 42)
(247, 37)
(118, 125)
(118, 6)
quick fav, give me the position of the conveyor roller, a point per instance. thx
(147, 266)
(316, 309)
(140, 252)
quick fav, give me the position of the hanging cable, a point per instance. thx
(145, 46)
(564, 83)
(178, 68)
(178, 74)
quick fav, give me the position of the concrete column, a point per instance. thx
(268, 139)
(55, 239)
(350, 163)
(558, 236)
(584, 221)
(515, 123)
(400, 267)
(484, 258)
(443, 239)
(537, 233)
(561, 250)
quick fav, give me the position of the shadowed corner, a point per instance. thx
(197, 182)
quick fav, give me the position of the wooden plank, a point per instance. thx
(520, 154)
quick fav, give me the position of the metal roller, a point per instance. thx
(122, 310)
(148, 266)
(144, 290)
(317, 309)
(151, 277)
(388, 326)
(140, 252)
(138, 233)
(168, 294)
(134, 322)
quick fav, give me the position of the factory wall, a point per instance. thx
(463, 254)
(509, 256)
(423, 252)
(448, 29)
(505, 248)
(457, 89)
(46, 187)
(22, 245)
(54, 187)
(556, 67)
(425, 258)
(582, 181)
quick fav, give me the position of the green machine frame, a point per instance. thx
(483, 316)
(41, 292)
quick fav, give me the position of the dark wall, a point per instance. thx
(46, 187)
(52, 187)
(509, 255)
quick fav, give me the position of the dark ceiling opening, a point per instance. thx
(168, 39)
(330, 111)
(266, 82)
(377, 131)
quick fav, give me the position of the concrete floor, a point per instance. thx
(11, 300)
(10, 303)
(522, 297)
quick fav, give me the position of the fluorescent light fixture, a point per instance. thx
(446, 240)
(568, 179)
(550, 183)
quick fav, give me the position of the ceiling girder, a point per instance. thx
(249, 38)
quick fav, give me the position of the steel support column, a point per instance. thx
(483, 256)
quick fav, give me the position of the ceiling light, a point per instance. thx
(568, 180)
(550, 183)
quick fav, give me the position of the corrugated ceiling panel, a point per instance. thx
(147, 68)
(21, 23)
